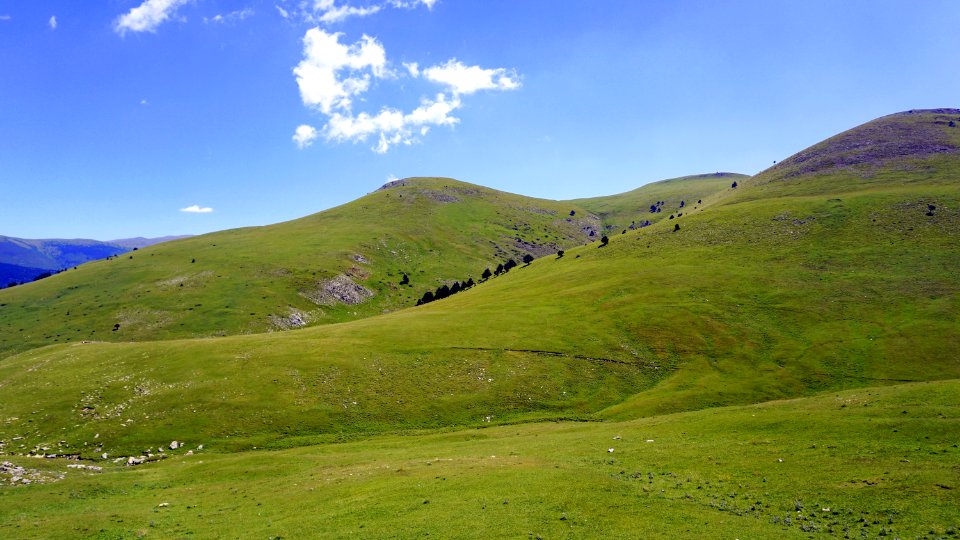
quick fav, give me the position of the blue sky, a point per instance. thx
(119, 117)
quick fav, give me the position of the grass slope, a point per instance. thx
(252, 280)
(787, 286)
(630, 210)
(859, 464)
(753, 299)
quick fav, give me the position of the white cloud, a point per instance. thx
(197, 209)
(330, 13)
(233, 16)
(147, 16)
(304, 135)
(412, 4)
(463, 79)
(53, 22)
(5, 17)
(144, 102)
(413, 68)
(325, 58)
(391, 126)
(332, 75)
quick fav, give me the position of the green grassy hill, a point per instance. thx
(810, 284)
(631, 210)
(752, 299)
(342, 264)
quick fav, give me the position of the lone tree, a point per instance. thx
(734, 184)
(573, 212)
(486, 274)
(604, 241)
(405, 280)
(676, 227)
(560, 254)
(527, 259)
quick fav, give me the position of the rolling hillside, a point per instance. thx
(754, 298)
(657, 201)
(635, 386)
(341, 264)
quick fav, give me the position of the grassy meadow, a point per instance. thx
(780, 361)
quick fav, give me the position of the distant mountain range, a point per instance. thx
(23, 260)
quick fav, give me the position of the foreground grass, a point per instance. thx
(863, 463)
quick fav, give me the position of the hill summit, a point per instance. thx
(914, 134)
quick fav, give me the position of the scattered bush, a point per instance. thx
(604, 241)
(560, 254)
(734, 184)
(527, 259)
(486, 274)
(405, 280)
(676, 227)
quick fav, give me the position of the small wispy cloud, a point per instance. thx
(197, 209)
(147, 16)
(5, 17)
(462, 79)
(304, 136)
(233, 16)
(329, 12)
(53, 22)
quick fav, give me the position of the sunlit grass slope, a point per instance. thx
(260, 279)
(751, 299)
(252, 280)
(631, 210)
(869, 463)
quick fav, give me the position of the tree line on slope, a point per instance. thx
(445, 290)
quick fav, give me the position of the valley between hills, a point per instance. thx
(712, 356)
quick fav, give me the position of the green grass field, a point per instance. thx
(836, 284)
(860, 464)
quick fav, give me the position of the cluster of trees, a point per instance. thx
(444, 291)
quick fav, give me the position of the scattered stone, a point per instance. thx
(339, 290)
(174, 445)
